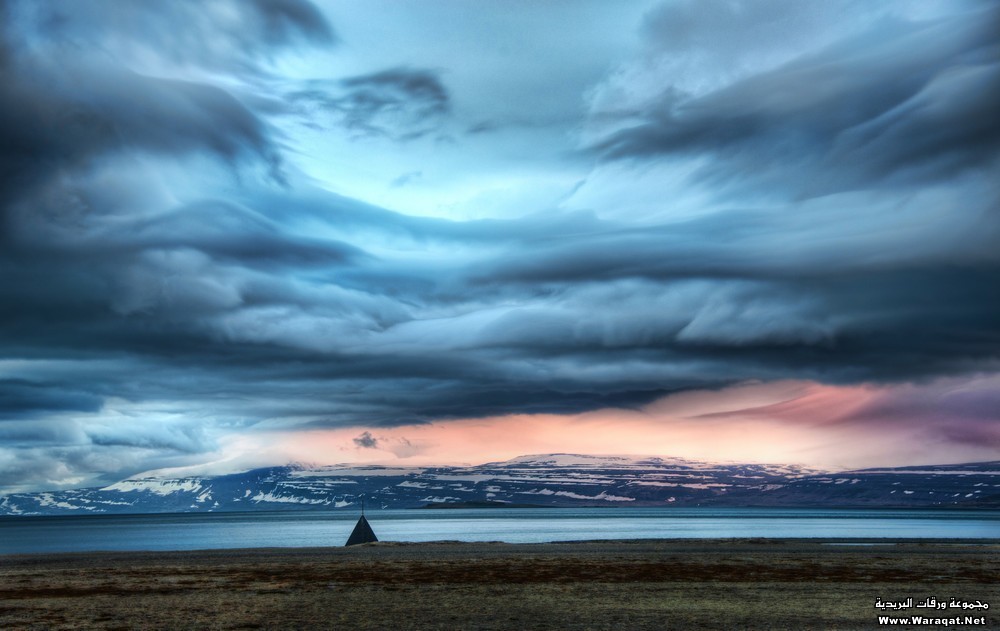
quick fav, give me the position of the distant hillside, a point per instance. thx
(545, 480)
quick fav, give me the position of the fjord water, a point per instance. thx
(199, 531)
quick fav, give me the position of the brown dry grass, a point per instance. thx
(765, 584)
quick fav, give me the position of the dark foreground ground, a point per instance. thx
(678, 584)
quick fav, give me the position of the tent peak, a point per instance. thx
(362, 533)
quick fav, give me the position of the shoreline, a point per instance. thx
(676, 541)
(679, 542)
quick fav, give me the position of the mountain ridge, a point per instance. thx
(557, 480)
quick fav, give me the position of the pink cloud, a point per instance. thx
(803, 422)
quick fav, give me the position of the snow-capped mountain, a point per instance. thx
(543, 480)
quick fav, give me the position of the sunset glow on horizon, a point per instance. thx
(787, 422)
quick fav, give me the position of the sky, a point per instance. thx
(239, 233)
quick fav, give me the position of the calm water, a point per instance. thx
(290, 529)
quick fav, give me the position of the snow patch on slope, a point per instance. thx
(159, 487)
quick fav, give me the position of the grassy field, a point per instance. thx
(678, 584)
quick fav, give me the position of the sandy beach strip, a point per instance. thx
(643, 584)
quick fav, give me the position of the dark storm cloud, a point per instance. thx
(166, 278)
(227, 231)
(902, 103)
(68, 96)
(20, 398)
(101, 110)
(398, 103)
(87, 231)
(229, 35)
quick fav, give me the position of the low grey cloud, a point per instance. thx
(366, 441)
(405, 179)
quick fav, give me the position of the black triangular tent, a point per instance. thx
(363, 533)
